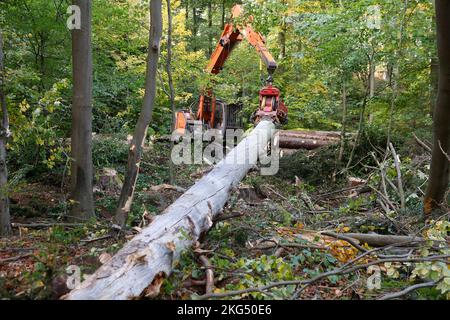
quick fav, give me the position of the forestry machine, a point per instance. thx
(215, 114)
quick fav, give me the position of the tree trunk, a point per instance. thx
(312, 134)
(187, 14)
(372, 69)
(81, 142)
(434, 73)
(223, 15)
(379, 240)
(210, 31)
(287, 142)
(194, 28)
(140, 132)
(344, 122)
(360, 127)
(149, 256)
(395, 75)
(282, 42)
(440, 166)
(306, 139)
(171, 88)
(5, 220)
(282, 34)
(434, 79)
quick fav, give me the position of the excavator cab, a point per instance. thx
(212, 113)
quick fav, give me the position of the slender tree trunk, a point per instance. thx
(282, 35)
(210, 37)
(360, 126)
(434, 85)
(440, 166)
(194, 28)
(395, 75)
(171, 88)
(5, 223)
(434, 72)
(187, 14)
(81, 142)
(223, 14)
(372, 80)
(344, 121)
(140, 132)
(282, 42)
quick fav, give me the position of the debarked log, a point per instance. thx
(287, 142)
(150, 255)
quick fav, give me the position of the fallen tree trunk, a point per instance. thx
(287, 142)
(313, 135)
(379, 240)
(333, 134)
(141, 263)
(288, 152)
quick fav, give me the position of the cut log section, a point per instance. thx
(301, 143)
(138, 267)
(329, 134)
(308, 140)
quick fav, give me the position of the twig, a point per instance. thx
(321, 195)
(17, 249)
(399, 176)
(384, 177)
(409, 289)
(339, 271)
(209, 274)
(352, 241)
(386, 215)
(442, 149)
(6, 260)
(421, 143)
(45, 225)
(288, 245)
(342, 271)
(86, 241)
(231, 216)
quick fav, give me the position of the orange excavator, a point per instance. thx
(212, 113)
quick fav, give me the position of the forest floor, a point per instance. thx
(272, 230)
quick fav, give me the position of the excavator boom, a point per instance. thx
(233, 34)
(213, 113)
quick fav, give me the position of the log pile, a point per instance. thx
(290, 141)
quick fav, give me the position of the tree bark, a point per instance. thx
(194, 28)
(187, 13)
(378, 240)
(344, 122)
(210, 31)
(140, 132)
(223, 15)
(151, 254)
(434, 72)
(440, 166)
(282, 35)
(323, 135)
(288, 142)
(5, 220)
(171, 88)
(395, 75)
(81, 142)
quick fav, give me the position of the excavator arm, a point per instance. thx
(214, 113)
(232, 35)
